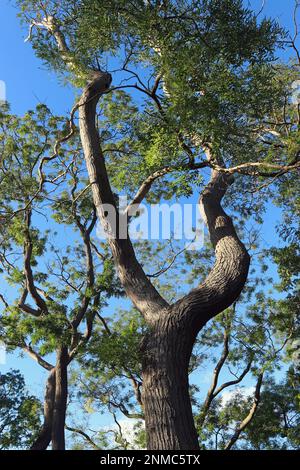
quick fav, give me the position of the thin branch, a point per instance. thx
(250, 415)
(234, 382)
(210, 394)
(34, 355)
(84, 435)
(4, 301)
(147, 183)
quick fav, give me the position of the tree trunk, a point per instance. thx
(173, 329)
(168, 346)
(60, 401)
(44, 438)
(167, 407)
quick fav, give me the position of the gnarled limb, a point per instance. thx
(226, 280)
(168, 347)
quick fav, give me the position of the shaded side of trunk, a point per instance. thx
(44, 438)
(60, 401)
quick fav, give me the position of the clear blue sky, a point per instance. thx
(28, 82)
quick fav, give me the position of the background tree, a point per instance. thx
(54, 289)
(20, 413)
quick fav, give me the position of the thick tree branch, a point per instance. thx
(32, 353)
(226, 280)
(134, 280)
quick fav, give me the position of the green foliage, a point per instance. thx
(20, 413)
(215, 88)
(274, 426)
(220, 84)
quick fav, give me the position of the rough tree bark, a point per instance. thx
(167, 348)
(44, 438)
(55, 404)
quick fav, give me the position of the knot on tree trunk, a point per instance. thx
(97, 84)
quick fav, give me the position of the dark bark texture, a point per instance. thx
(44, 438)
(55, 404)
(167, 350)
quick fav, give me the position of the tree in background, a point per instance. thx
(20, 412)
(212, 96)
(55, 289)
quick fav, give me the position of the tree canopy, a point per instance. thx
(177, 100)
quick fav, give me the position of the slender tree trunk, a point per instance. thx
(44, 438)
(60, 401)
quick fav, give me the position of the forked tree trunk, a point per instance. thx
(169, 420)
(44, 438)
(168, 347)
(173, 329)
(55, 404)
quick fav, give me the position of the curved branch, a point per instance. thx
(30, 284)
(211, 392)
(134, 280)
(147, 183)
(250, 415)
(234, 382)
(226, 280)
(84, 435)
(34, 355)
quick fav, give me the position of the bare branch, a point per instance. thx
(84, 435)
(234, 382)
(211, 392)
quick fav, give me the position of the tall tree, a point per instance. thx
(214, 98)
(51, 290)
